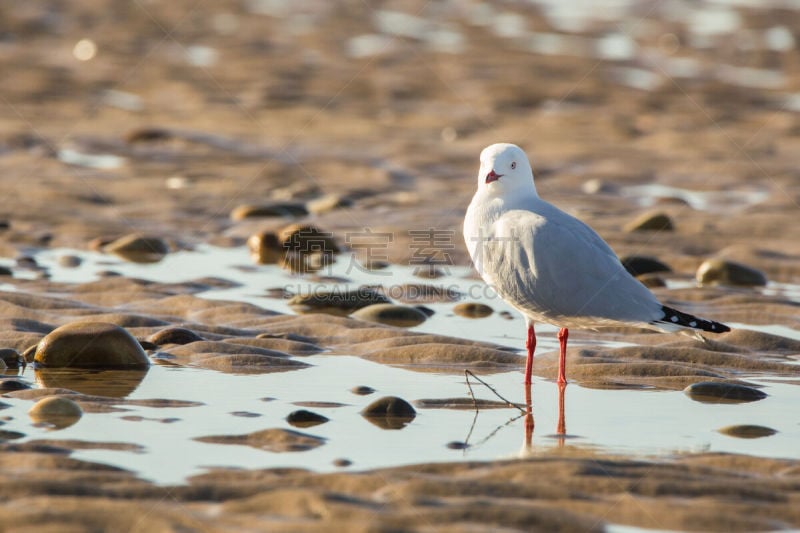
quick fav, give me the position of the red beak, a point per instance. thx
(492, 176)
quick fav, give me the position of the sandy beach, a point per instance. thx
(159, 159)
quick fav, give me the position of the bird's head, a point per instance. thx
(505, 170)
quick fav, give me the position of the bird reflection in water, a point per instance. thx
(561, 428)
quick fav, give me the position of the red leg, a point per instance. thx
(563, 334)
(530, 344)
(528, 419)
(562, 424)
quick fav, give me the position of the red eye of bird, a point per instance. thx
(513, 165)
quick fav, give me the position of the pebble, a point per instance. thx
(11, 358)
(457, 445)
(721, 392)
(329, 202)
(5, 271)
(58, 411)
(342, 463)
(10, 435)
(338, 302)
(305, 419)
(650, 221)
(506, 314)
(637, 265)
(69, 261)
(724, 272)
(747, 431)
(174, 335)
(265, 249)
(138, 248)
(86, 344)
(389, 412)
(306, 238)
(362, 390)
(277, 209)
(403, 316)
(10, 385)
(472, 310)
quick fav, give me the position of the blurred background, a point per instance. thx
(164, 117)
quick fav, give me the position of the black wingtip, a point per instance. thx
(673, 316)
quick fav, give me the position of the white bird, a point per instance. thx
(551, 266)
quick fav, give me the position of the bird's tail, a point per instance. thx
(673, 317)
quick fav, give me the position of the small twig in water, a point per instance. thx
(512, 404)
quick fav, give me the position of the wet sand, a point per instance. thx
(166, 135)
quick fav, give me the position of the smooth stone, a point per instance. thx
(11, 358)
(362, 390)
(457, 445)
(265, 248)
(472, 310)
(306, 238)
(389, 412)
(10, 385)
(27, 262)
(342, 463)
(506, 314)
(637, 265)
(724, 272)
(138, 248)
(747, 431)
(278, 209)
(721, 392)
(5, 271)
(58, 411)
(304, 419)
(651, 221)
(69, 261)
(90, 345)
(174, 335)
(10, 435)
(340, 302)
(29, 353)
(245, 414)
(392, 315)
(329, 202)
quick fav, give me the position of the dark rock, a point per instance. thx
(245, 414)
(342, 463)
(651, 221)
(148, 134)
(747, 431)
(389, 412)
(11, 358)
(69, 261)
(637, 265)
(265, 248)
(5, 271)
(174, 335)
(472, 310)
(362, 390)
(457, 445)
(9, 385)
(10, 435)
(304, 419)
(138, 248)
(340, 301)
(277, 209)
(724, 272)
(721, 392)
(90, 345)
(391, 314)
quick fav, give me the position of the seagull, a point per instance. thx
(552, 267)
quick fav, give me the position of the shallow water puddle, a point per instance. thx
(631, 421)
